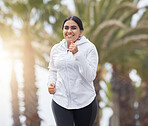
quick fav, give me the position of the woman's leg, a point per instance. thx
(86, 116)
(63, 117)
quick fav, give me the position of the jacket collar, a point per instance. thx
(82, 40)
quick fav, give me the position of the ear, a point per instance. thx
(81, 32)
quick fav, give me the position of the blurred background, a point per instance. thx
(118, 28)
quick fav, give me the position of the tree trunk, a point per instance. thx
(123, 99)
(30, 89)
(15, 100)
(143, 107)
(115, 118)
(97, 89)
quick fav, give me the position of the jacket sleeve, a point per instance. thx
(87, 64)
(52, 75)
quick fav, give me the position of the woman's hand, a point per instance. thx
(73, 48)
(51, 88)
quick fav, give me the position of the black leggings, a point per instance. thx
(75, 117)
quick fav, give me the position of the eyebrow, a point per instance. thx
(74, 26)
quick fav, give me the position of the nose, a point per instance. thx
(69, 30)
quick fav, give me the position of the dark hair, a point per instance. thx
(76, 19)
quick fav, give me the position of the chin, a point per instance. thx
(69, 40)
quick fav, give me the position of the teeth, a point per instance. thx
(70, 35)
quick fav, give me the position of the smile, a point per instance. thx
(70, 36)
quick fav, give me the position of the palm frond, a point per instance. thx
(121, 10)
(105, 25)
(135, 31)
(134, 38)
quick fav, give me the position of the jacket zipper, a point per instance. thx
(68, 85)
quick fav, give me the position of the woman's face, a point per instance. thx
(71, 31)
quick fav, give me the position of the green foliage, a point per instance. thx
(107, 28)
(139, 92)
(108, 95)
(107, 23)
(34, 16)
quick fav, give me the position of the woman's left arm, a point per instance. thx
(87, 64)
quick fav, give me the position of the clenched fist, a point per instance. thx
(73, 48)
(51, 88)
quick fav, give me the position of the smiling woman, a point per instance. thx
(72, 69)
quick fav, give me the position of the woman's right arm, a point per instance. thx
(52, 75)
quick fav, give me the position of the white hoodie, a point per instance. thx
(73, 75)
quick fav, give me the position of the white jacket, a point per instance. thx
(73, 75)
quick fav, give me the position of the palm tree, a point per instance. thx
(142, 70)
(139, 62)
(15, 100)
(40, 12)
(6, 31)
(107, 24)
